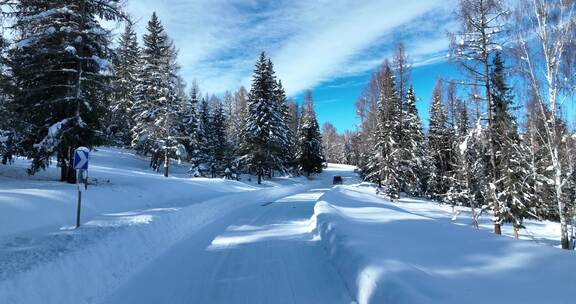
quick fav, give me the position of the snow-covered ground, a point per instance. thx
(149, 239)
(131, 217)
(410, 252)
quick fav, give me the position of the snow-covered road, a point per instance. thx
(262, 253)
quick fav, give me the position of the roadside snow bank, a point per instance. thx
(386, 254)
(85, 265)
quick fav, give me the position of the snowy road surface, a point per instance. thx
(264, 253)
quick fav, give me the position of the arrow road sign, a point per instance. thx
(81, 158)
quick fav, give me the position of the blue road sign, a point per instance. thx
(81, 158)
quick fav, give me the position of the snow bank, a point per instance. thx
(386, 254)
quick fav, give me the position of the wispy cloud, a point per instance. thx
(310, 42)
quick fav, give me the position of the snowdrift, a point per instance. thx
(387, 254)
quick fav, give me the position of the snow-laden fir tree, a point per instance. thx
(285, 136)
(262, 135)
(514, 183)
(8, 122)
(310, 155)
(126, 69)
(60, 64)
(414, 160)
(459, 192)
(440, 146)
(204, 133)
(156, 108)
(219, 148)
(189, 125)
(387, 152)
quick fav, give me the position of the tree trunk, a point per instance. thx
(497, 225)
(166, 162)
(71, 173)
(259, 176)
(63, 167)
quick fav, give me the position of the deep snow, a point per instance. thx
(131, 217)
(390, 254)
(150, 239)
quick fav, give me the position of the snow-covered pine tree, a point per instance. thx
(283, 133)
(474, 165)
(387, 150)
(293, 122)
(440, 147)
(367, 112)
(157, 105)
(310, 155)
(58, 63)
(8, 122)
(414, 160)
(218, 143)
(126, 69)
(190, 124)
(515, 195)
(204, 133)
(259, 142)
(459, 192)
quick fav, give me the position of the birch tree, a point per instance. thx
(544, 34)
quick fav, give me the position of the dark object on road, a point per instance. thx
(337, 180)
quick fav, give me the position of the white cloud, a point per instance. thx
(309, 41)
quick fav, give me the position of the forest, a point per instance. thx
(498, 140)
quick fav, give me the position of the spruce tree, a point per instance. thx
(204, 132)
(156, 109)
(511, 158)
(60, 87)
(310, 155)
(387, 153)
(440, 141)
(414, 156)
(190, 126)
(218, 142)
(126, 68)
(260, 135)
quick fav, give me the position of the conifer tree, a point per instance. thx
(190, 125)
(440, 140)
(387, 153)
(204, 132)
(515, 194)
(262, 136)
(156, 109)
(126, 68)
(60, 87)
(310, 155)
(414, 156)
(218, 143)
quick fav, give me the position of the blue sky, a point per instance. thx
(330, 46)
